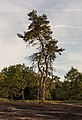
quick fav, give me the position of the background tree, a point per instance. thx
(3, 91)
(57, 93)
(16, 80)
(40, 34)
(11, 82)
(73, 83)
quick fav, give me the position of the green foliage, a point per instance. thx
(20, 82)
(39, 34)
(73, 81)
(69, 89)
(14, 80)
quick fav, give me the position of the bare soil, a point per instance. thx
(38, 111)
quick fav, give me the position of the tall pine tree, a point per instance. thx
(39, 34)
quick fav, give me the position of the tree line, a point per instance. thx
(19, 82)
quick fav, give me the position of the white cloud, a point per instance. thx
(66, 10)
(67, 26)
(75, 57)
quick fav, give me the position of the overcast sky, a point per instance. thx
(65, 18)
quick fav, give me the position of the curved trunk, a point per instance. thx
(43, 92)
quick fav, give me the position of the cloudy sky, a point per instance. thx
(66, 23)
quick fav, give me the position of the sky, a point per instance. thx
(65, 18)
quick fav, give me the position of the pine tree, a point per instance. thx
(39, 34)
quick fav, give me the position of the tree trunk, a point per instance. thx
(42, 90)
(22, 91)
(41, 84)
(38, 92)
(23, 94)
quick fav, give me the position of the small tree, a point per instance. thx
(39, 34)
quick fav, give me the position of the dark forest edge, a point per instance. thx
(19, 82)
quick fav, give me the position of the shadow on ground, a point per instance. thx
(36, 111)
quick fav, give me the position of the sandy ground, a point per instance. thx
(38, 111)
